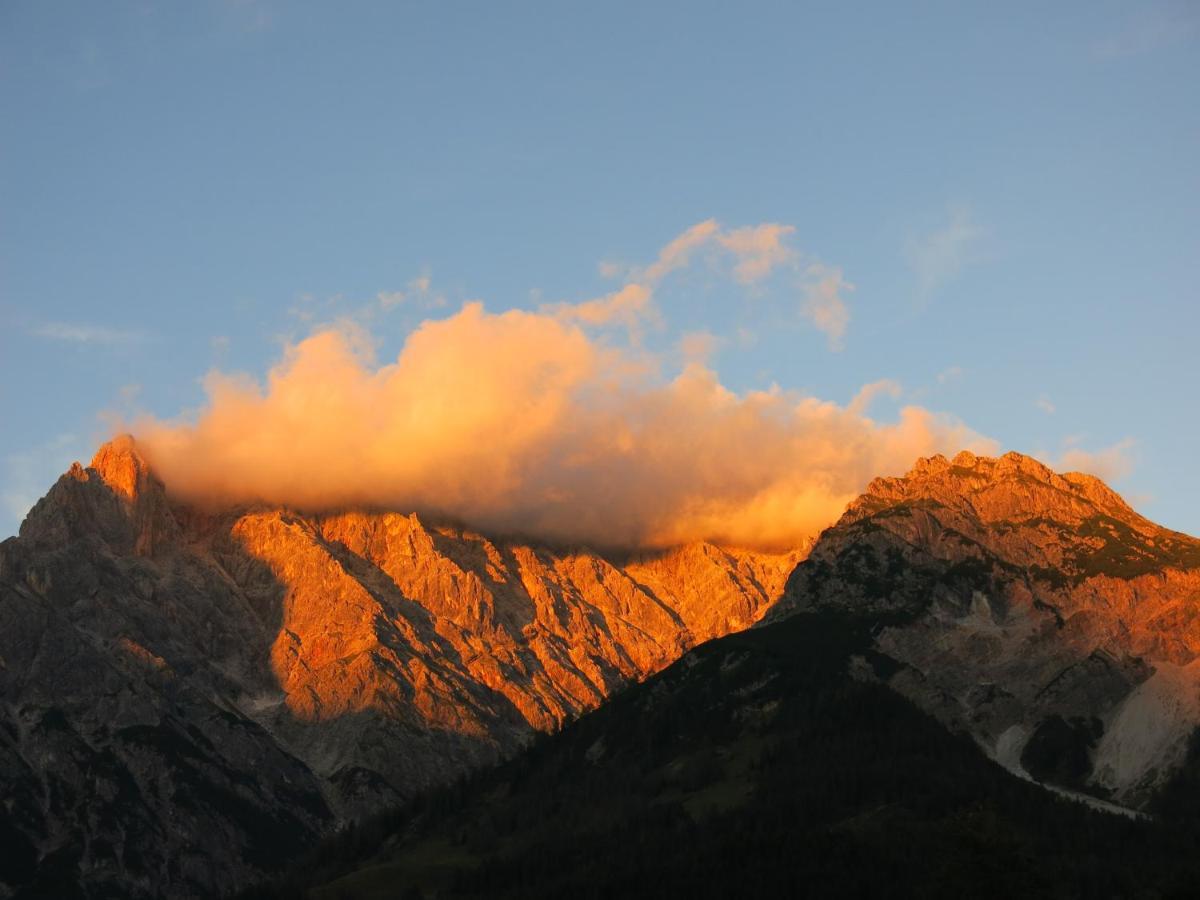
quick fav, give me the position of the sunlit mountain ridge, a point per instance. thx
(171, 654)
(196, 696)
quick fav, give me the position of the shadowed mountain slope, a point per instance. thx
(192, 697)
(762, 765)
(1036, 615)
(1042, 615)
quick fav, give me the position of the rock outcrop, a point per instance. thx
(192, 696)
(1036, 611)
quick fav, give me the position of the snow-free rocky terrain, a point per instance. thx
(1036, 611)
(191, 698)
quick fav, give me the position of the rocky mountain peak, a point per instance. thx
(117, 499)
(122, 467)
(1019, 599)
(343, 661)
(1009, 488)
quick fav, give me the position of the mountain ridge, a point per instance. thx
(1036, 617)
(219, 688)
(1040, 611)
(365, 657)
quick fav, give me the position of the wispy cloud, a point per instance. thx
(749, 255)
(1110, 463)
(699, 346)
(389, 299)
(86, 334)
(824, 288)
(629, 307)
(756, 252)
(609, 268)
(552, 422)
(1150, 30)
(418, 295)
(418, 292)
(1045, 404)
(866, 395)
(950, 375)
(759, 250)
(249, 15)
(937, 257)
(678, 252)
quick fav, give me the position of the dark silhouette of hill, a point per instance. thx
(762, 764)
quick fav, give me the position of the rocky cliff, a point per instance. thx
(190, 697)
(1034, 610)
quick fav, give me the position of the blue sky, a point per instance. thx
(1012, 191)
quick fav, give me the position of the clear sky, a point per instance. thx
(1011, 190)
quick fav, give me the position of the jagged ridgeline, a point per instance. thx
(195, 698)
(192, 698)
(1041, 621)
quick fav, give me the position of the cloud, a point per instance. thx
(938, 257)
(699, 346)
(678, 252)
(750, 253)
(1110, 463)
(950, 375)
(759, 250)
(86, 334)
(1045, 404)
(756, 250)
(823, 304)
(249, 16)
(1152, 29)
(868, 392)
(555, 423)
(522, 422)
(418, 292)
(628, 307)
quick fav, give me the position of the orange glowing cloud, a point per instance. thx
(537, 423)
(522, 422)
(759, 249)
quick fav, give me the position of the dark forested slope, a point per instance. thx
(767, 763)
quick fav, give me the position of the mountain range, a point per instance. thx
(195, 698)
(192, 697)
(1038, 613)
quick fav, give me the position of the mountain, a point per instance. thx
(192, 697)
(961, 632)
(1038, 612)
(759, 765)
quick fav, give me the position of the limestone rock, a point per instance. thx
(191, 696)
(1018, 604)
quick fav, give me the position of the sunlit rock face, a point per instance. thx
(1035, 610)
(190, 698)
